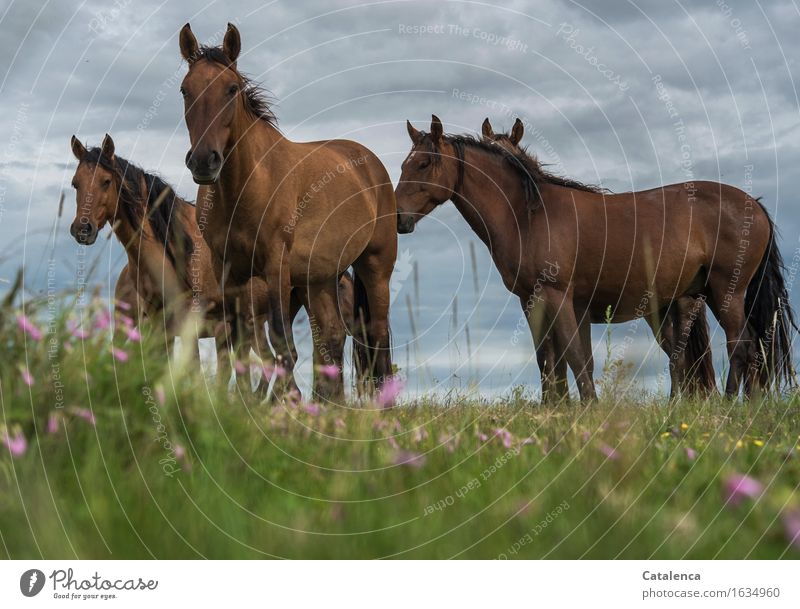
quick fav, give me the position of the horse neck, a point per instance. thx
(257, 142)
(492, 201)
(144, 252)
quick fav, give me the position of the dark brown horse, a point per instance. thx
(698, 379)
(169, 270)
(295, 214)
(563, 247)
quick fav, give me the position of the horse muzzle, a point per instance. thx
(84, 233)
(405, 224)
(205, 166)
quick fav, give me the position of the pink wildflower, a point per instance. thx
(16, 445)
(312, 409)
(505, 436)
(609, 452)
(739, 487)
(119, 354)
(27, 326)
(52, 423)
(390, 391)
(27, 377)
(408, 458)
(791, 523)
(87, 415)
(330, 371)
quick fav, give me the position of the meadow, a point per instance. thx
(110, 449)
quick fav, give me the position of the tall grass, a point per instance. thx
(138, 455)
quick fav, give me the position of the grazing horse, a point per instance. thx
(549, 238)
(698, 379)
(294, 214)
(169, 265)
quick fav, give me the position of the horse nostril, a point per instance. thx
(214, 159)
(189, 159)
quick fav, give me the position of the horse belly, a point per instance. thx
(329, 238)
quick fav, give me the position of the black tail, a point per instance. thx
(771, 320)
(699, 357)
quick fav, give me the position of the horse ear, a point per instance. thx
(232, 43)
(486, 129)
(436, 128)
(78, 149)
(414, 134)
(517, 131)
(107, 147)
(189, 46)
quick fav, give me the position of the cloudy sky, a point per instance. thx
(599, 85)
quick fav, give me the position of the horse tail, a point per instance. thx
(698, 354)
(770, 318)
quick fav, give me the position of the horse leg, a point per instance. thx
(372, 344)
(328, 334)
(224, 340)
(565, 327)
(663, 328)
(280, 326)
(585, 334)
(732, 318)
(545, 349)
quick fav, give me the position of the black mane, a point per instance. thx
(139, 192)
(257, 100)
(524, 163)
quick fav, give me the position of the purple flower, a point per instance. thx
(505, 436)
(103, 319)
(76, 330)
(125, 306)
(330, 371)
(27, 377)
(239, 367)
(119, 354)
(408, 458)
(741, 486)
(609, 452)
(311, 408)
(791, 523)
(160, 395)
(27, 326)
(52, 423)
(390, 391)
(482, 436)
(691, 454)
(133, 334)
(16, 445)
(277, 371)
(87, 415)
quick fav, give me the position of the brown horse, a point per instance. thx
(550, 236)
(169, 268)
(294, 214)
(698, 379)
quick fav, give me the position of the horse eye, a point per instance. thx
(233, 89)
(424, 164)
(106, 183)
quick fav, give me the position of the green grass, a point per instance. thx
(609, 480)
